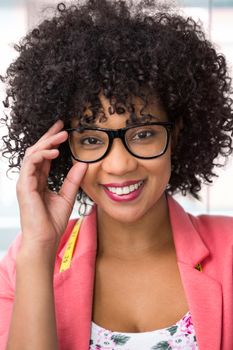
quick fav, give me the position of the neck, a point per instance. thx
(127, 241)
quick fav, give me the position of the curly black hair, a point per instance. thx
(121, 48)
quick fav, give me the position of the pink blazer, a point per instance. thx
(205, 239)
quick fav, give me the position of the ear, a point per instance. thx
(175, 133)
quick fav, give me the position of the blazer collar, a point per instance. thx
(190, 248)
(203, 293)
(87, 239)
(74, 287)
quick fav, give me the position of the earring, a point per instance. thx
(85, 203)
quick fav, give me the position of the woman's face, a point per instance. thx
(119, 167)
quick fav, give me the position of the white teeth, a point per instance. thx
(131, 187)
(126, 189)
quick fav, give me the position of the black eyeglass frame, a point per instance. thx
(120, 133)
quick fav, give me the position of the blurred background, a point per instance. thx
(18, 16)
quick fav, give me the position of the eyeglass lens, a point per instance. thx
(143, 141)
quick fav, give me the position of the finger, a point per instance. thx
(57, 126)
(72, 182)
(31, 168)
(53, 141)
(43, 175)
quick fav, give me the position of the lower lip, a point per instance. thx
(124, 197)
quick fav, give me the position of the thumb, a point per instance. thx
(72, 182)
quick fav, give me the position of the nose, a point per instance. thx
(119, 161)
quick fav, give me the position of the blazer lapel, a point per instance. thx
(204, 294)
(74, 290)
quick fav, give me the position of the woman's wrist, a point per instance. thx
(33, 255)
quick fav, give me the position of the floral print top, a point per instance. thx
(180, 336)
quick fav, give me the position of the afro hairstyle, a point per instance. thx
(120, 48)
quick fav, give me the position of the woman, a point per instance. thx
(123, 108)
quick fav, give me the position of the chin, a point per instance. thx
(126, 215)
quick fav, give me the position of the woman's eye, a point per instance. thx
(91, 141)
(143, 134)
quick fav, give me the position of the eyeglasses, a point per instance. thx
(144, 141)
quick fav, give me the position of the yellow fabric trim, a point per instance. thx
(67, 257)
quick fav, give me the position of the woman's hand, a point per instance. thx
(44, 216)
(43, 213)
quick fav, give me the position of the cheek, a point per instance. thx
(161, 165)
(166, 166)
(159, 176)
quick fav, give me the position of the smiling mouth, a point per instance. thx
(123, 190)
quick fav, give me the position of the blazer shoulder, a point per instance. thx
(214, 228)
(8, 264)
